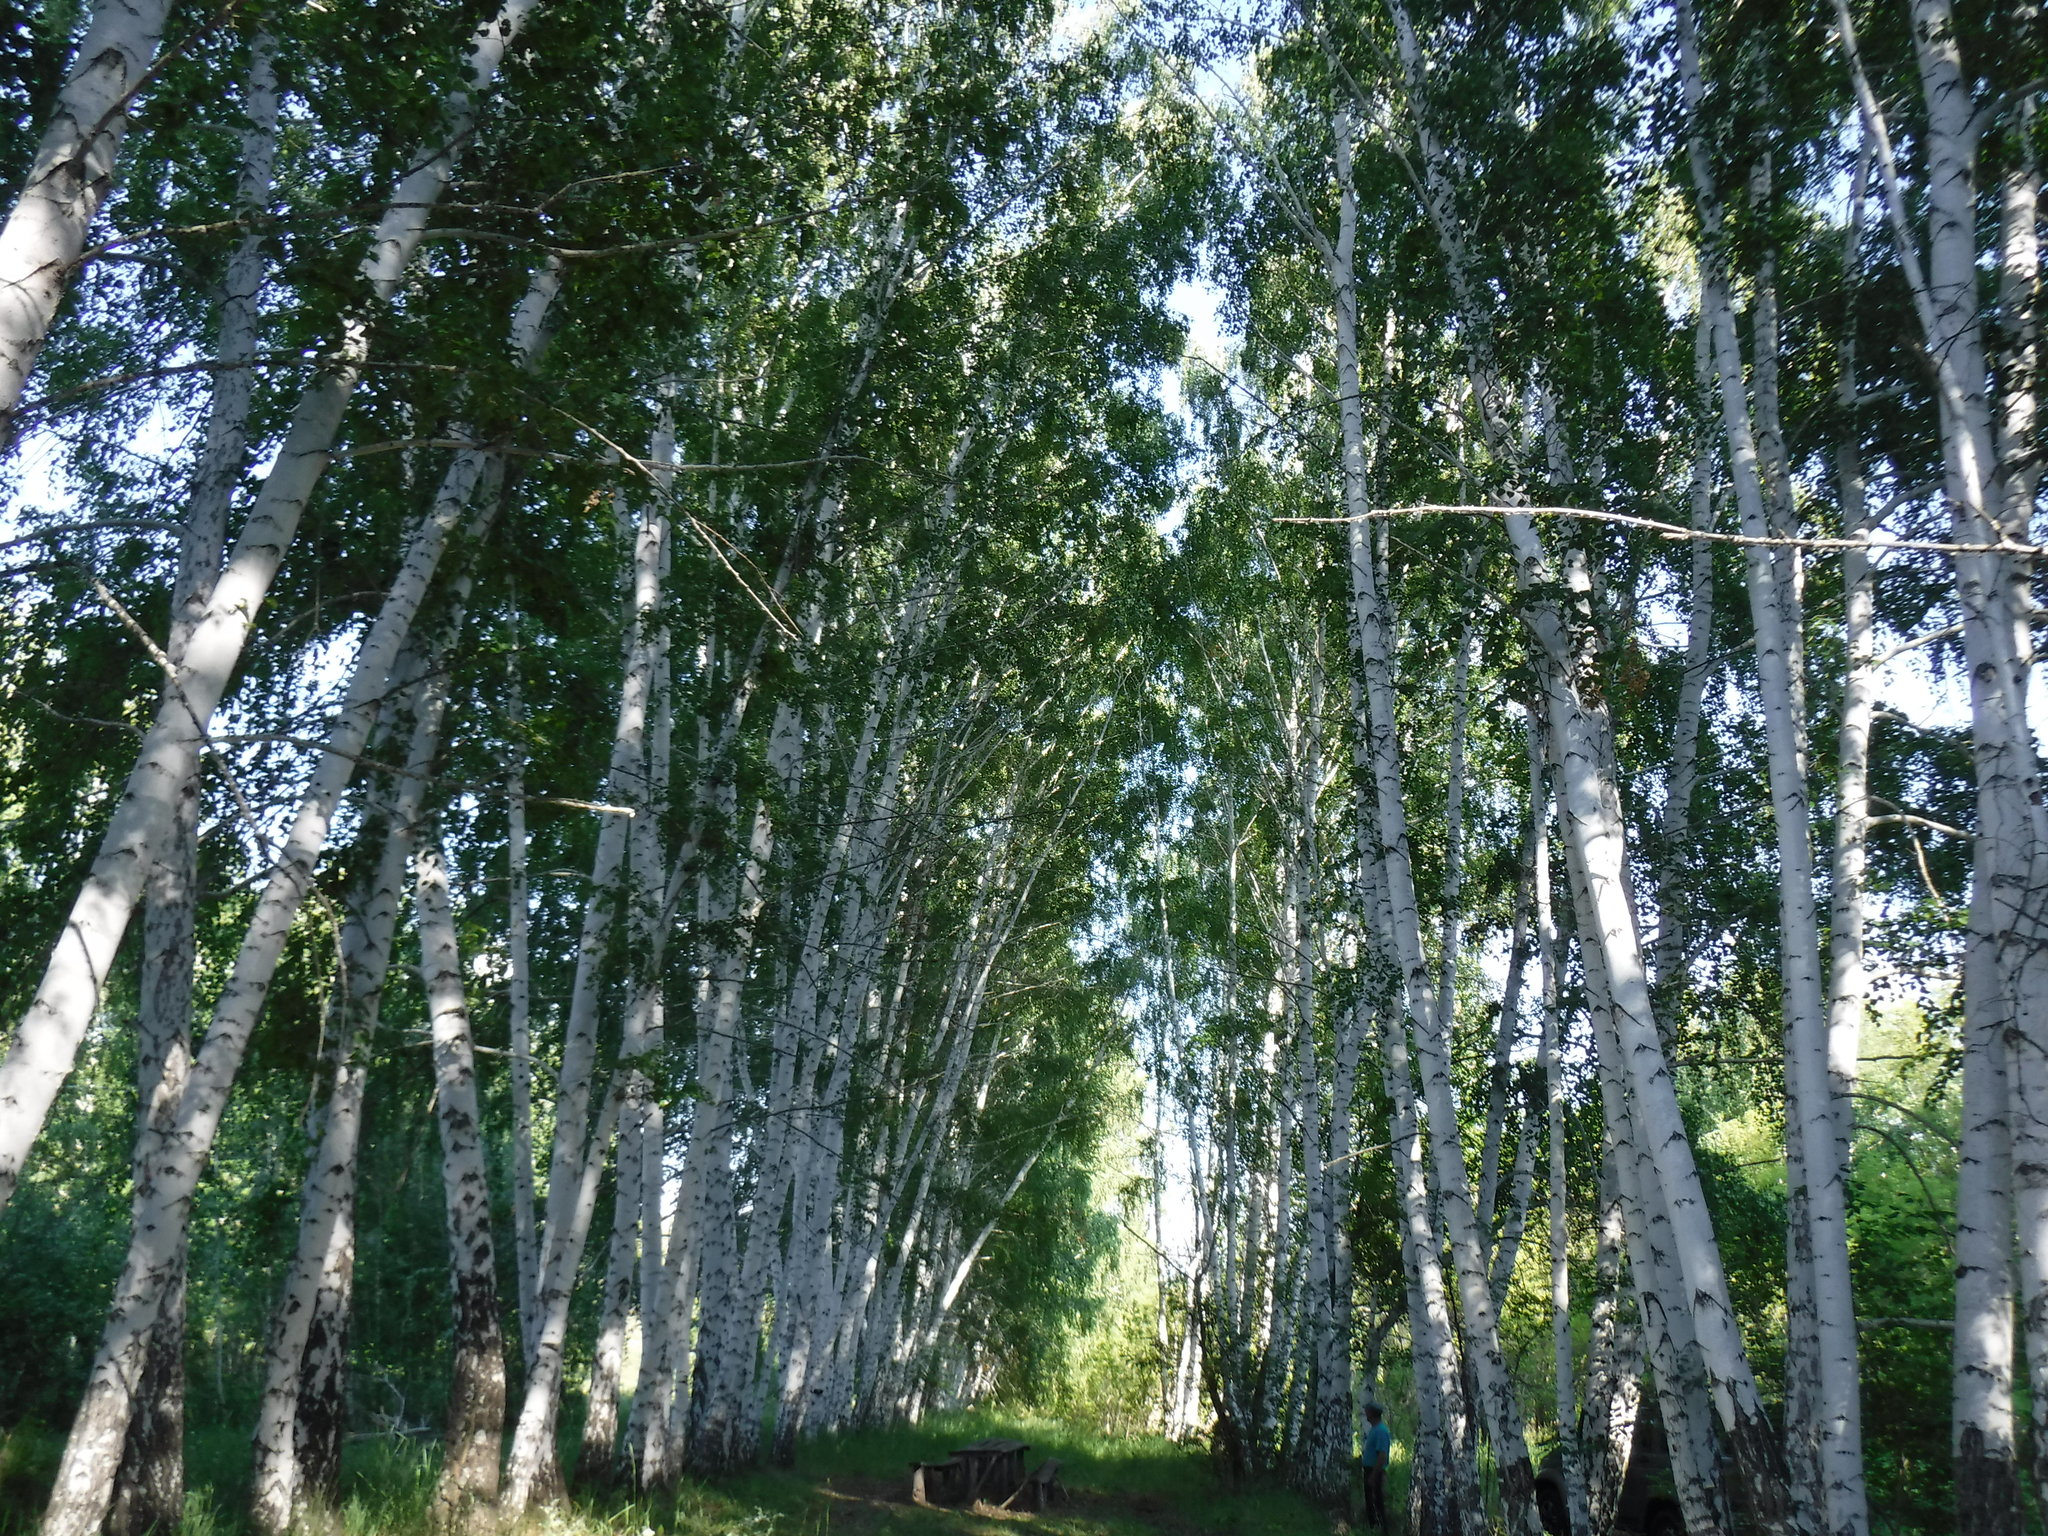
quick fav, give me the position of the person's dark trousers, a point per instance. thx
(1376, 1496)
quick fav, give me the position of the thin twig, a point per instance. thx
(1678, 531)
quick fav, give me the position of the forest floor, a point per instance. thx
(859, 1485)
(847, 1485)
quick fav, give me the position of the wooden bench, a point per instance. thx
(1042, 1487)
(929, 1478)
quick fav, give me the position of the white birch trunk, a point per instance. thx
(519, 1043)
(1848, 985)
(648, 1011)
(84, 1481)
(150, 1486)
(1565, 1374)
(1662, 1296)
(2002, 973)
(1444, 1482)
(73, 170)
(636, 1214)
(1591, 820)
(466, 1492)
(2019, 471)
(1811, 1113)
(576, 1159)
(1594, 836)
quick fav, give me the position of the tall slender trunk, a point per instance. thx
(1583, 751)
(45, 1044)
(1848, 985)
(648, 1006)
(1761, 489)
(1327, 1441)
(1565, 1374)
(636, 1209)
(2016, 438)
(1674, 831)
(466, 1493)
(519, 1029)
(149, 1488)
(162, 1208)
(1444, 1484)
(1499, 1410)
(2005, 992)
(577, 1155)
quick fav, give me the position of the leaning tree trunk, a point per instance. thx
(44, 236)
(1662, 1300)
(576, 1160)
(45, 1044)
(84, 1483)
(1582, 749)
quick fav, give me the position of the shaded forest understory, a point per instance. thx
(737, 737)
(1121, 1485)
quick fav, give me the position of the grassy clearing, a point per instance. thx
(848, 1485)
(858, 1485)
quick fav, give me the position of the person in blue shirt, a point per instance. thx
(1377, 1455)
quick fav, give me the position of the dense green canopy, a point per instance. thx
(727, 722)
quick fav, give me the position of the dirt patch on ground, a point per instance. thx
(894, 1493)
(864, 1503)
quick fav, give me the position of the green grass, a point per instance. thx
(859, 1485)
(846, 1485)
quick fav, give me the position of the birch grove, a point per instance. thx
(728, 728)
